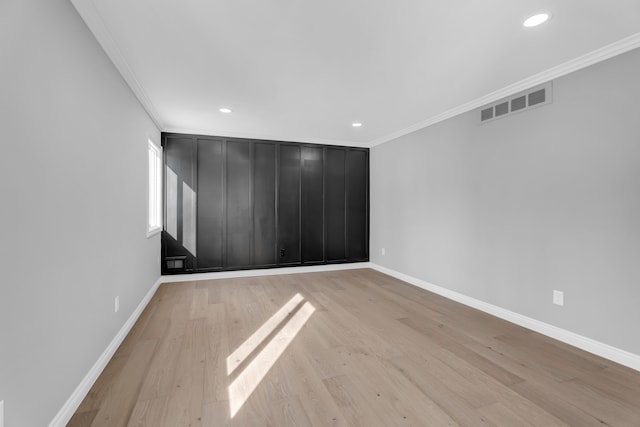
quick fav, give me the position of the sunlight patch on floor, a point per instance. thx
(241, 388)
(237, 357)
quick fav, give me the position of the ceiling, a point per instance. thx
(304, 70)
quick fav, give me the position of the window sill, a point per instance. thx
(151, 233)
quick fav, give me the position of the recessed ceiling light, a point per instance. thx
(225, 110)
(356, 124)
(535, 20)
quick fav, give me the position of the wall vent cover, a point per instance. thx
(522, 101)
(175, 262)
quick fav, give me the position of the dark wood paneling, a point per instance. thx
(210, 174)
(264, 204)
(289, 204)
(357, 205)
(239, 222)
(335, 204)
(312, 201)
(179, 153)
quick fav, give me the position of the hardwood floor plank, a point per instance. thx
(289, 412)
(553, 402)
(601, 405)
(354, 402)
(117, 406)
(149, 413)
(200, 301)
(460, 410)
(216, 381)
(160, 377)
(306, 383)
(501, 415)
(445, 338)
(185, 402)
(471, 389)
(370, 351)
(603, 382)
(414, 405)
(103, 385)
(82, 419)
(502, 392)
(136, 332)
(216, 414)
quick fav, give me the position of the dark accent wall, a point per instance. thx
(261, 204)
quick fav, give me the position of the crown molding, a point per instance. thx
(614, 49)
(92, 18)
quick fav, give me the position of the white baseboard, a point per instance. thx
(604, 350)
(587, 344)
(71, 405)
(263, 272)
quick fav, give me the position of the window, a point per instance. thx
(154, 209)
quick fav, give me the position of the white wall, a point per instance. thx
(507, 211)
(73, 206)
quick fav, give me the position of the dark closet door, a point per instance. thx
(235, 203)
(239, 221)
(357, 205)
(312, 201)
(179, 237)
(210, 207)
(264, 205)
(335, 207)
(289, 204)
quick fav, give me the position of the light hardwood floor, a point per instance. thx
(374, 351)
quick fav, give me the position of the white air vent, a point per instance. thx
(534, 97)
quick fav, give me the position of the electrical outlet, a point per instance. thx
(558, 297)
(117, 304)
(384, 251)
(1, 413)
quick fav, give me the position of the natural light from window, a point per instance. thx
(154, 208)
(237, 357)
(248, 380)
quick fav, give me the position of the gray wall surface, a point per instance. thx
(73, 177)
(508, 211)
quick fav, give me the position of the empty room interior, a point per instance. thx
(333, 213)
